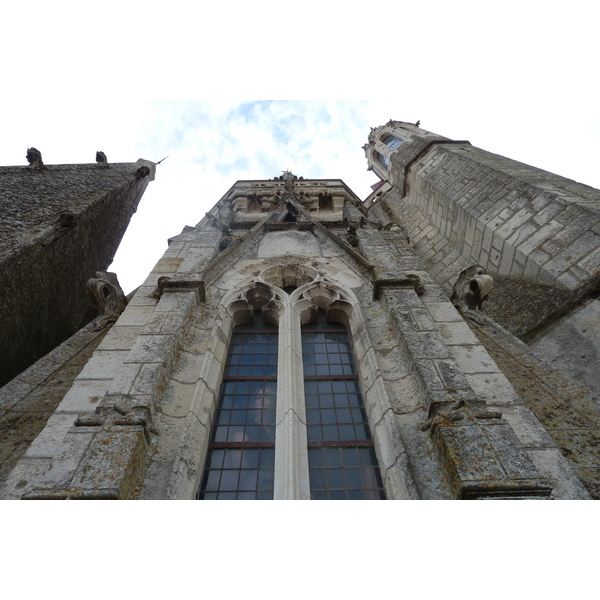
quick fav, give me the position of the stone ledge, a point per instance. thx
(410, 281)
(176, 283)
(73, 494)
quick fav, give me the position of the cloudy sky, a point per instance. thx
(518, 79)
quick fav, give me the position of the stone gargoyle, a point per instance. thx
(106, 294)
(471, 288)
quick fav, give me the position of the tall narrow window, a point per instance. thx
(325, 201)
(342, 461)
(241, 453)
(383, 160)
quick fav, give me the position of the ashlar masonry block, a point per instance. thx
(488, 461)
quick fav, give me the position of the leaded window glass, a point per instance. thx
(391, 142)
(383, 160)
(342, 461)
(241, 452)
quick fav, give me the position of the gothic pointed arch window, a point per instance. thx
(342, 461)
(290, 421)
(383, 160)
(241, 454)
(391, 141)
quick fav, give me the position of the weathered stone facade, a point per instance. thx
(60, 225)
(457, 405)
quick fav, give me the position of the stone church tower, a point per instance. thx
(437, 340)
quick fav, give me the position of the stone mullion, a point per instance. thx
(291, 446)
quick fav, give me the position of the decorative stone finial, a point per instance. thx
(101, 159)
(289, 177)
(34, 158)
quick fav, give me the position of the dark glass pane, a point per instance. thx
(367, 456)
(362, 432)
(267, 459)
(358, 415)
(350, 457)
(253, 416)
(216, 459)
(341, 400)
(314, 433)
(337, 495)
(324, 387)
(219, 434)
(238, 417)
(333, 457)
(354, 478)
(212, 480)
(315, 457)
(252, 434)
(357, 495)
(328, 416)
(330, 433)
(339, 387)
(268, 417)
(311, 401)
(246, 496)
(236, 434)
(312, 416)
(326, 400)
(335, 479)
(343, 415)
(265, 480)
(264, 495)
(335, 370)
(250, 458)
(317, 479)
(248, 479)
(346, 432)
(229, 480)
(233, 459)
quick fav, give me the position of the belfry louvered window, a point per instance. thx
(241, 455)
(341, 457)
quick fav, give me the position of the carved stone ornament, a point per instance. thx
(106, 294)
(472, 288)
(101, 159)
(34, 158)
(142, 172)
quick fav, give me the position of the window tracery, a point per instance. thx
(312, 302)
